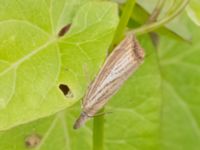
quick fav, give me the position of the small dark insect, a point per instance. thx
(32, 140)
(119, 66)
(64, 30)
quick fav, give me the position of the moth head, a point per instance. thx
(81, 120)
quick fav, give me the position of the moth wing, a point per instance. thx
(119, 65)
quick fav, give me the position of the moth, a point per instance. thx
(118, 67)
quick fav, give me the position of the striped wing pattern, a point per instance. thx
(119, 65)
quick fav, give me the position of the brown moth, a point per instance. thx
(118, 67)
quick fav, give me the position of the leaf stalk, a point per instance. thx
(150, 27)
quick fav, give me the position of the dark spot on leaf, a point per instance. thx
(64, 30)
(33, 140)
(66, 90)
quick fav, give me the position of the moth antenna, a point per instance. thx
(101, 114)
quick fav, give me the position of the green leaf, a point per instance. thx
(181, 84)
(194, 12)
(156, 109)
(34, 60)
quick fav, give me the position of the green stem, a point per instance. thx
(126, 14)
(172, 7)
(156, 12)
(153, 18)
(98, 123)
(155, 25)
(98, 132)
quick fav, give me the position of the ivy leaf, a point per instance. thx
(193, 11)
(35, 61)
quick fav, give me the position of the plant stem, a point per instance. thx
(98, 123)
(155, 25)
(172, 7)
(98, 132)
(153, 18)
(156, 12)
(126, 14)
